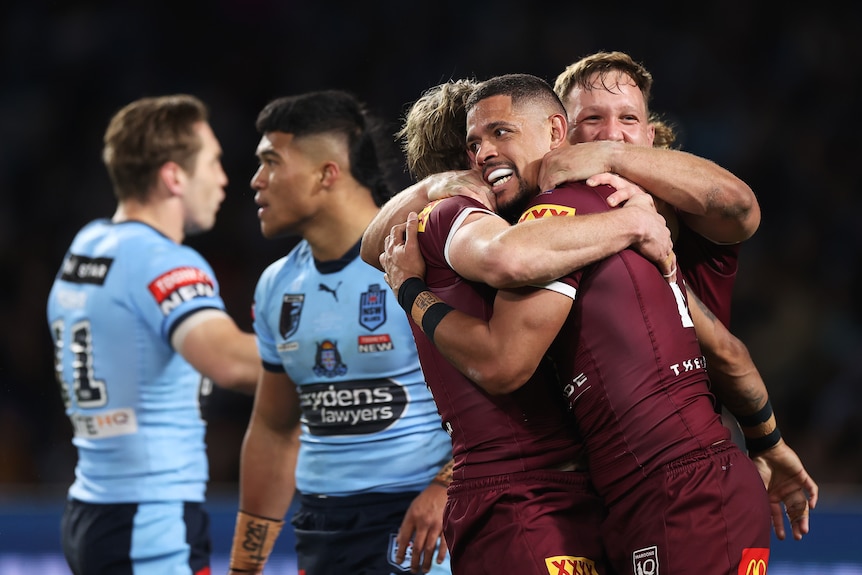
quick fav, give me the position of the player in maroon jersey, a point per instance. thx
(671, 424)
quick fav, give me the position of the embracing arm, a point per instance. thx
(713, 201)
(483, 351)
(739, 386)
(487, 249)
(413, 199)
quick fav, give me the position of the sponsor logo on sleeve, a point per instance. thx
(567, 565)
(645, 561)
(423, 215)
(754, 561)
(83, 270)
(291, 308)
(180, 285)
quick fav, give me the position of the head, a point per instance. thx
(432, 135)
(607, 96)
(164, 147)
(310, 143)
(512, 122)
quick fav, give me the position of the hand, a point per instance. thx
(655, 244)
(423, 523)
(467, 183)
(574, 163)
(788, 485)
(625, 189)
(401, 257)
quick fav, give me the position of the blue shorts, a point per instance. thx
(139, 538)
(356, 534)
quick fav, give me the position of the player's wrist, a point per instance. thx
(760, 429)
(425, 308)
(253, 539)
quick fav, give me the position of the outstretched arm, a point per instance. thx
(713, 201)
(739, 386)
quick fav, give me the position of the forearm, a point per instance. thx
(393, 212)
(217, 348)
(486, 352)
(267, 470)
(715, 201)
(538, 251)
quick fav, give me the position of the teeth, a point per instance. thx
(499, 174)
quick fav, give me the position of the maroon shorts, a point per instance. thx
(705, 513)
(530, 523)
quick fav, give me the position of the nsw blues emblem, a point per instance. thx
(372, 307)
(291, 307)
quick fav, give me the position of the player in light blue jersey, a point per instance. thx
(342, 415)
(139, 328)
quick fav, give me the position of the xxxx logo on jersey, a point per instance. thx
(754, 561)
(567, 565)
(546, 211)
(423, 215)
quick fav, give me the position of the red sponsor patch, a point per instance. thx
(754, 561)
(166, 284)
(367, 339)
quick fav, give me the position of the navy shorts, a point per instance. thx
(139, 538)
(356, 535)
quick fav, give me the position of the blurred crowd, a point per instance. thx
(770, 95)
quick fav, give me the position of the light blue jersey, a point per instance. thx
(369, 422)
(132, 399)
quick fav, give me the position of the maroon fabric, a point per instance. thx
(533, 523)
(526, 430)
(702, 514)
(709, 270)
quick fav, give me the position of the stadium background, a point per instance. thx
(771, 93)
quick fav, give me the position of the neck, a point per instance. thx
(343, 223)
(161, 216)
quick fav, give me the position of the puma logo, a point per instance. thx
(324, 287)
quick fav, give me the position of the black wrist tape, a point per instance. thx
(433, 316)
(409, 291)
(756, 419)
(759, 444)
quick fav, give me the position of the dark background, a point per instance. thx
(773, 94)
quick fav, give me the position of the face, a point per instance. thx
(507, 145)
(611, 110)
(285, 184)
(204, 187)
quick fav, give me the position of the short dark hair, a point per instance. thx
(337, 112)
(519, 87)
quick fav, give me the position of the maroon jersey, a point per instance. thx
(629, 358)
(527, 430)
(709, 270)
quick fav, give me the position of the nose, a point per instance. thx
(256, 180)
(612, 131)
(485, 151)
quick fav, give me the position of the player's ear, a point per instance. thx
(559, 130)
(329, 173)
(172, 177)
